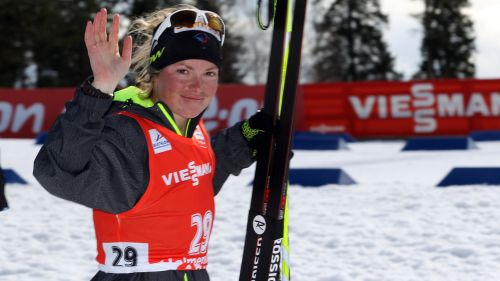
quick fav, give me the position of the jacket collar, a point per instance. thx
(134, 100)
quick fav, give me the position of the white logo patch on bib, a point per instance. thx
(160, 143)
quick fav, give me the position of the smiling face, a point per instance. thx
(187, 87)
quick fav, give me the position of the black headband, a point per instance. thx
(173, 47)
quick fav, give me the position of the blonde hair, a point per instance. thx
(142, 29)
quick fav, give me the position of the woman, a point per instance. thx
(141, 157)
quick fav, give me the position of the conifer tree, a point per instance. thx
(350, 45)
(448, 41)
(51, 36)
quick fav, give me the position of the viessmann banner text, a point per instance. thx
(365, 110)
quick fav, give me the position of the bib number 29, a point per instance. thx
(125, 257)
(203, 225)
(126, 254)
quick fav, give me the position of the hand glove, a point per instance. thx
(257, 129)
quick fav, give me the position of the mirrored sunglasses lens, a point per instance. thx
(215, 22)
(185, 18)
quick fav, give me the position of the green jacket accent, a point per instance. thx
(134, 94)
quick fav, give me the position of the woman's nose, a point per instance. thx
(196, 82)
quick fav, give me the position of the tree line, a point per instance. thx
(47, 39)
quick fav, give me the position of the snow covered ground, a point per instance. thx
(394, 225)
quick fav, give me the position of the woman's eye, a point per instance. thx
(211, 73)
(182, 71)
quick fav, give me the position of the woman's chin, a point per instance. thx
(191, 114)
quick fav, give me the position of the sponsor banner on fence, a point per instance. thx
(26, 113)
(364, 109)
(402, 109)
(232, 104)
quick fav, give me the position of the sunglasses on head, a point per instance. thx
(191, 19)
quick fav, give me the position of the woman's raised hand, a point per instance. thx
(108, 65)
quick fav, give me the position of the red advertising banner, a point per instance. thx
(232, 104)
(364, 109)
(403, 109)
(26, 113)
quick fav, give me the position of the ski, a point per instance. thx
(266, 243)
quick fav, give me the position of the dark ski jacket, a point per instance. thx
(99, 159)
